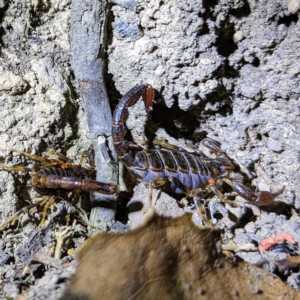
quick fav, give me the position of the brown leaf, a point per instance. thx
(167, 259)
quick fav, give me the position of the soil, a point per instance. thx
(227, 70)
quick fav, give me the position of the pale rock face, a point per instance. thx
(228, 70)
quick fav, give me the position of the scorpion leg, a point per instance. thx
(16, 168)
(23, 210)
(159, 182)
(180, 149)
(168, 146)
(195, 195)
(196, 151)
(62, 158)
(49, 202)
(223, 199)
(201, 211)
(155, 183)
(33, 157)
(90, 154)
(61, 237)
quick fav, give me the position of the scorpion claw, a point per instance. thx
(260, 199)
(264, 197)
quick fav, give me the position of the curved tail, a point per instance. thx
(119, 129)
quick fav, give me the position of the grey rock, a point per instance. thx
(4, 257)
(275, 145)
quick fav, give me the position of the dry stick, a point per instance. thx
(88, 20)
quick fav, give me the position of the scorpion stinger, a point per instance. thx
(53, 177)
(174, 169)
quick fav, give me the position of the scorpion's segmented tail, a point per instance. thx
(119, 129)
(72, 183)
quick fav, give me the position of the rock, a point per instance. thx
(249, 91)
(11, 83)
(238, 36)
(275, 145)
(294, 6)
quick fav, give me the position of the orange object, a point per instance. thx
(70, 251)
(285, 237)
(211, 181)
(271, 241)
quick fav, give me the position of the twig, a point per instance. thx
(88, 37)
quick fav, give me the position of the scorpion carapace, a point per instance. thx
(54, 176)
(174, 168)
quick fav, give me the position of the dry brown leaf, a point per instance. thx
(168, 259)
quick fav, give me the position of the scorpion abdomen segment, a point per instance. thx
(193, 166)
(155, 161)
(121, 114)
(170, 162)
(181, 162)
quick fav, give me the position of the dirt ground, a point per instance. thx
(228, 70)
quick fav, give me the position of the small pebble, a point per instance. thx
(275, 145)
(238, 36)
(294, 6)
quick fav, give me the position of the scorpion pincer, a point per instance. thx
(53, 177)
(173, 168)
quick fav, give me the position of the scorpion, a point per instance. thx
(53, 176)
(175, 169)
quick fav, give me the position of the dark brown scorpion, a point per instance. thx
(54, 176)
(174, 169)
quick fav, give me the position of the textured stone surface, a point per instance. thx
(226, 69)
(237, 90)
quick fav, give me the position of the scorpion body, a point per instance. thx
(52, 177)
(175, 169)
(190, 170)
